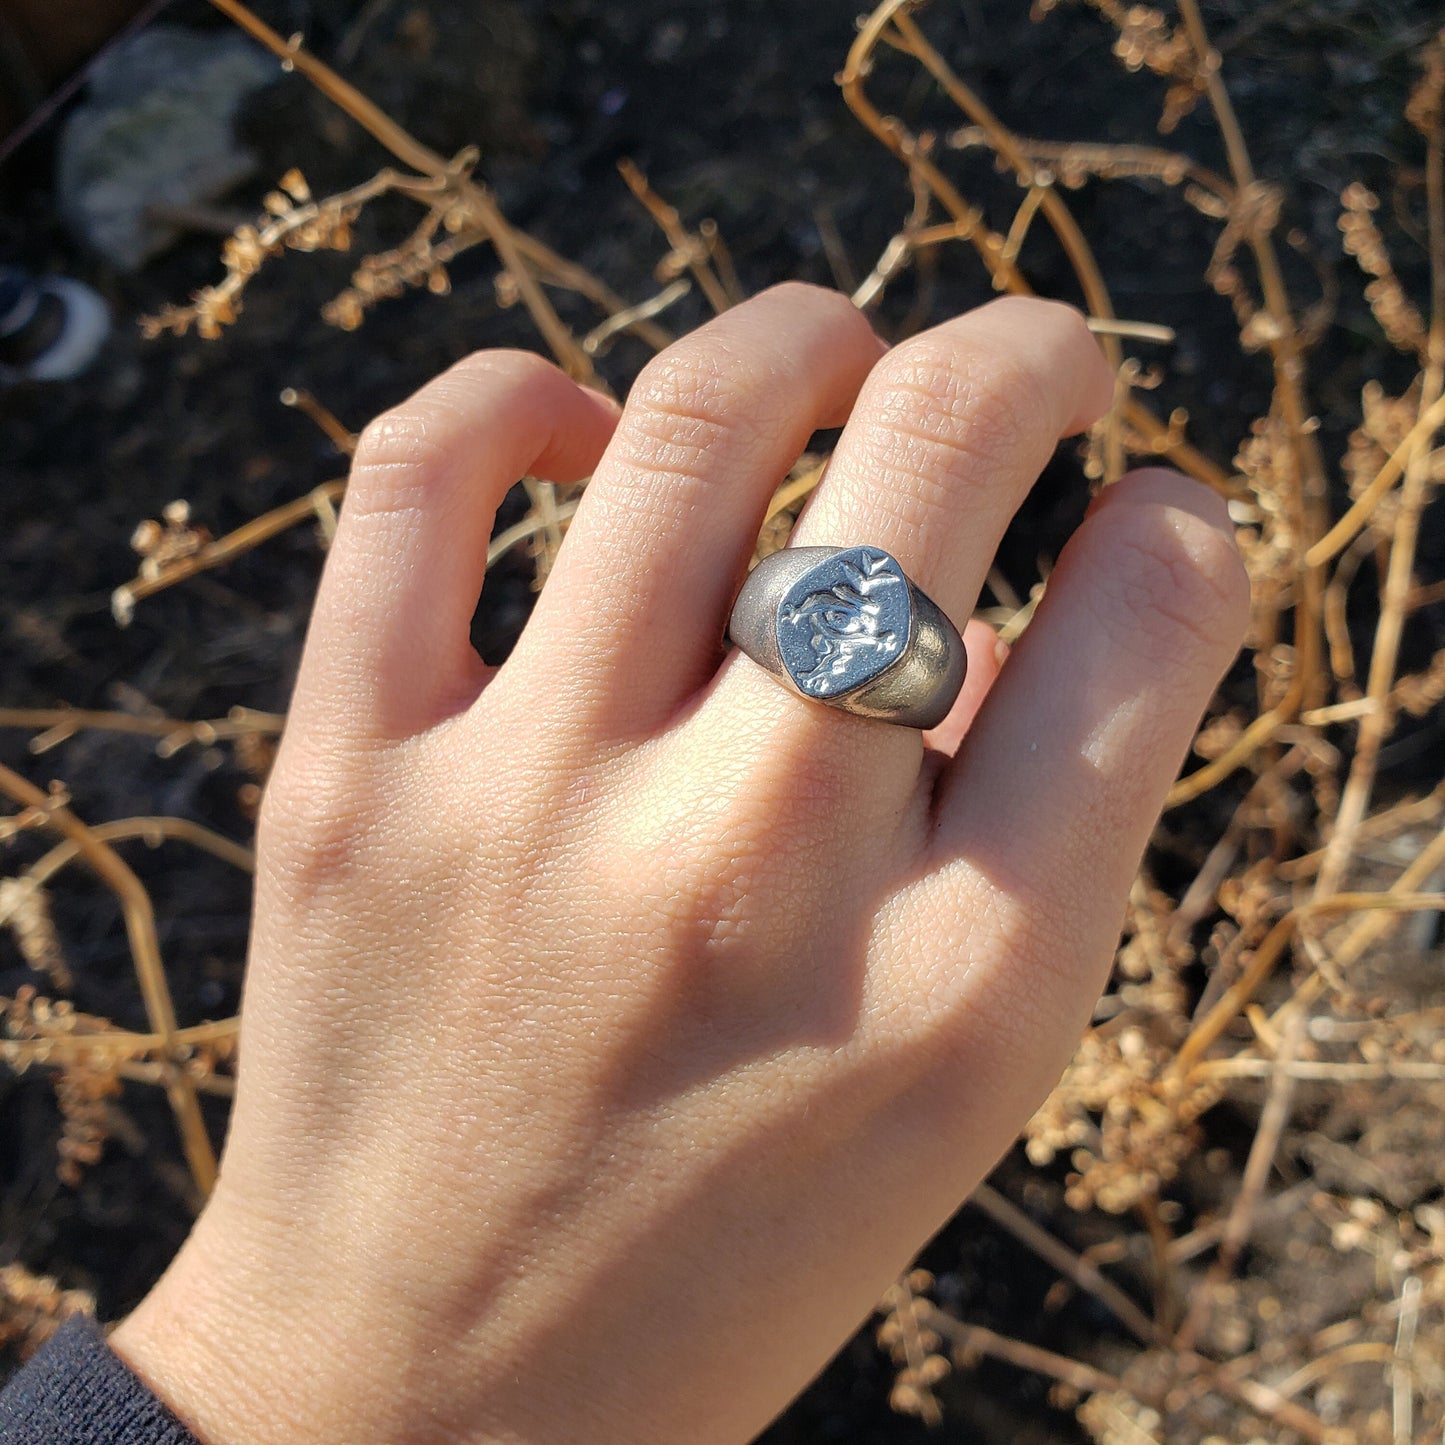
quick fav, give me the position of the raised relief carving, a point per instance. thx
(844, 622)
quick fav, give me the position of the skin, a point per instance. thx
(618, 1024)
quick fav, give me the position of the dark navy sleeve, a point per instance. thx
(76, 1391)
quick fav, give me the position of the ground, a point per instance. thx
(733, 113)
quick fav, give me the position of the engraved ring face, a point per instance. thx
(844, 622)
(844, 626)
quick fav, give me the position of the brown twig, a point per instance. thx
(1072, 1266)
(1209, 1028)
(224, 549)
(688, 251)
(54, 725)
(340, 436)
(1241, 1217)
(480, 207)
(1154, 434)
(151, 831)
(971, 1341)
(140, 927)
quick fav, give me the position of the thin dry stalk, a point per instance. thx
(151, 831)
(223, 549)
(689, 252)
(1262, 1151)
(1073, 1267)
(140, 927)
(480, 209)
(890, 24)
(54, 726)
(1268, 954)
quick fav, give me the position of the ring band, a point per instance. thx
(844, 626)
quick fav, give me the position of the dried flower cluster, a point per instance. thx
(33, 1307)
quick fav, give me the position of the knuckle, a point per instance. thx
(314, 822)
(686, 404)
(986, 410)
(496, 378)
(506, 363)
(1069, 321)
(402, 440)
(406, 451)
(400, 457)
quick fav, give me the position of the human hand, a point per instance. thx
(618, 1023)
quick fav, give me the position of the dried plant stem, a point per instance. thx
(970, 1341)
(225, 549)
(1336, 615)
(215, 554)
(904, 1308)
(1384, 824)
(1053, 206)
(1196, 1242)
(1262, 1151)
(969, 225)
(1161, 1270)
(1377, 724)
(794, 490)
(1400, 1070)
(528, 527)
(1209, 1028)
(556, 270)
(625, 320)
(1402, 1359)
(59, 723)
(547, 524)
(1361, 1353)
(406, 148)
(1112, 162)
(1354, 521)
(1072, 1266)
(687, 249)
(340, 436)
(139, 1071)
(1369, 928)
(152, 831)
(1272, 1403)
(1285, 345)
(1259, 732)
(1305, 496)
(98, 1049)
(140, 927)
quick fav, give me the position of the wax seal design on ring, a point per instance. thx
(844, 621)
(847, 627)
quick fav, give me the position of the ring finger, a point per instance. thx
(950, 431)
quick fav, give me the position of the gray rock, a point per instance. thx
(156, 130)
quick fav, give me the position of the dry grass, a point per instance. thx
(1313, 906)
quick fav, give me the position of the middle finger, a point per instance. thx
(950, 430)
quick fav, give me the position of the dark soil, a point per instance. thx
(733, 112)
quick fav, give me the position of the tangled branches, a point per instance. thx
(1274, 980)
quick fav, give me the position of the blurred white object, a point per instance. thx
(155, 132)
(51, 327)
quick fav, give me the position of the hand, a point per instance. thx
(618, 1024)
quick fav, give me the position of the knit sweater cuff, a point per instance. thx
(76, 1391)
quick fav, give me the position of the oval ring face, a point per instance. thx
(844, 622)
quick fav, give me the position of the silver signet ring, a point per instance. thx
(845, 626)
